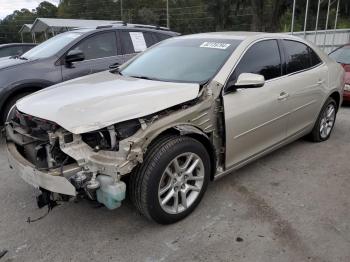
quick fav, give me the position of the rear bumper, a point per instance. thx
(51, 180)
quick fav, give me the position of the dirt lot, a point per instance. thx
(293, 205)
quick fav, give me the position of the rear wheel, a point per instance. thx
(10, 104)
(325, 122)
(172, 180)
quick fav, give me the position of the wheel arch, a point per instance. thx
(197, 134)
(336, 96)
(20, 89)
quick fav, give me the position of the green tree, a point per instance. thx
(46, 9)
(10, 25)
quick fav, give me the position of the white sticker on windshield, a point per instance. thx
(215, 45)
(138, 41)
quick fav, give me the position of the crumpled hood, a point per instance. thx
(90, 103)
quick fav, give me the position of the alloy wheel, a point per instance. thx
(327, 121)
(181, 183)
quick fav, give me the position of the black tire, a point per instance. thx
(10, 103)
(315, 135)
(145, 180)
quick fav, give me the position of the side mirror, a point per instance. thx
(74, 56)
(247, 80)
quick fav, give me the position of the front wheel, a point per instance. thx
(172, 180)
(325, 122)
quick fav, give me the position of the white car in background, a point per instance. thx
(187, 111)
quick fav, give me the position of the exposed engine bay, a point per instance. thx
(93, 163)
(40, 141)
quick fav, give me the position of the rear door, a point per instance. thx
(100, 52)
(256, 118)
(307, 78)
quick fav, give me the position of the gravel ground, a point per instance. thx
(293, 205)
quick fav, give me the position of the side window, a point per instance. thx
(297, 56)
(126, 43)
(26, 48)
(3, 52)
(161, 37)
(262, 58)
(136, 41)
(98, 46)
(315, 59)
(10, 51)
(149, 38)
(16, 50)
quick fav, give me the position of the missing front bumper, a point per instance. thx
(51, 180)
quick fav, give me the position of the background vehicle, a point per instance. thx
(342, 56)
(15, 49)
(186, 111)
(70, 55)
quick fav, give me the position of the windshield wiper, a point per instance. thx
(22, 58)
(145, 77)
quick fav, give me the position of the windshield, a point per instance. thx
(51, 46)
(182, 60)
(342, 55)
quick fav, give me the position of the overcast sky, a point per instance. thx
(8, 6)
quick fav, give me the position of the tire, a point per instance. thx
(9, 104)
(325, 122)
(150, 178)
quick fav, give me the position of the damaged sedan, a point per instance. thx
(183, 113)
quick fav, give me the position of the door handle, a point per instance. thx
(283, 96)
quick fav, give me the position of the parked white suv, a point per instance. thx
(187, 111)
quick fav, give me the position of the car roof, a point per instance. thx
(121, 27)
(240, 35)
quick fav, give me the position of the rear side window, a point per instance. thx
(126, 43)
(262, 58)
(137, 42)
(149, 38)
(161, 37)
(98, 46)
(299, 56)
(315, 59)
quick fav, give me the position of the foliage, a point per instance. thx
(11, 24)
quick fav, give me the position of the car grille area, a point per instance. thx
(31, 136)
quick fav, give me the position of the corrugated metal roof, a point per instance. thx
(25, 28)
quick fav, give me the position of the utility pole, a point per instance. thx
(121, 10)
(306, 13)
(335, 23)
(326, 29)
(167, 14)
(317, 17)
(292, 29)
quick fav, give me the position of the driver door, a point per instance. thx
(100, 52)
(256, 118)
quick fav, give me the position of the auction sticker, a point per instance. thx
(215, 45)
(138, 41)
